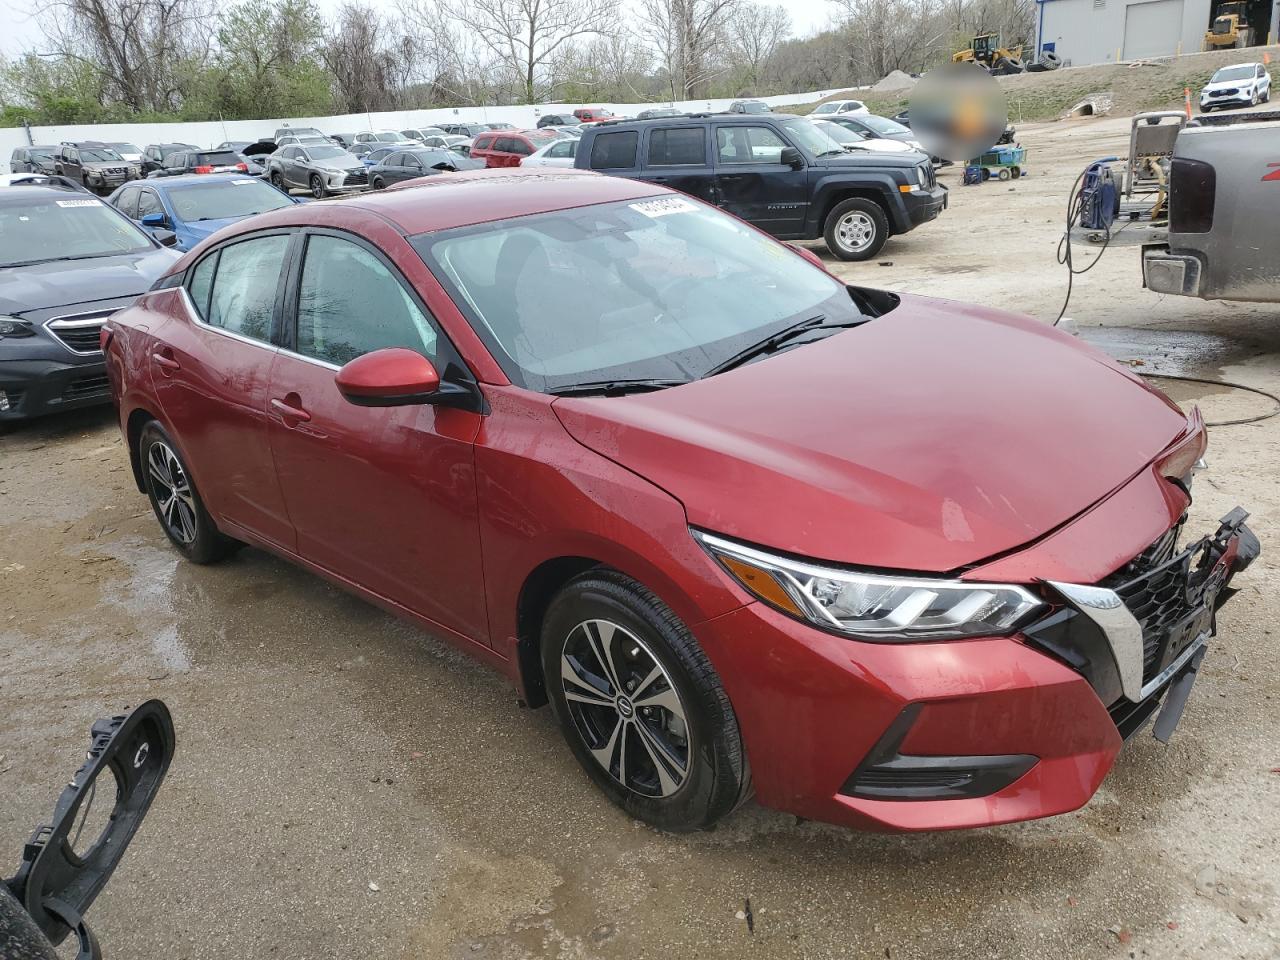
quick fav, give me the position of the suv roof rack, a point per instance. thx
(49, 180)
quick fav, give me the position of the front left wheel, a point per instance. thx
(640, 705)
(856, 229)
(317, 187)
(176, 501)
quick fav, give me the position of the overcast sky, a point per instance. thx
(23, 33)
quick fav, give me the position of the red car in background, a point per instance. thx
(886, 561)
(506, 148)
(593, 114)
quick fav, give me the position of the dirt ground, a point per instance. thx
(325, 747)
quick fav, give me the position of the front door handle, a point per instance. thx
(166, 362)
(290, 408)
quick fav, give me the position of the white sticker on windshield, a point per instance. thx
(664, 206)
(238, 182)
(79, 203)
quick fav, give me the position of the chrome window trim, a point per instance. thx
(198, 321)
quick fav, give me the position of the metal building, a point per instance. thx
(1104, 31)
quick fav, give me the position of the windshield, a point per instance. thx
(1234, 73)
(326, 153)
(93, 154)
(826, 108)
(124, 148)
(64, 228)
(389, 136)
(755, 108)
(663, 288)
(42, 153)
(218, 199)
(884, 126)
(217, 158)
(809, 136)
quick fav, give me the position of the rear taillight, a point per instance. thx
(244, 167)
(1192, 191)
(204, 169)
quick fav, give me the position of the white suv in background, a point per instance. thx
(849, 107)
(1239, 84)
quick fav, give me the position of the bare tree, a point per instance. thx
(526, 35)
(369, 58)
(686, 35)
(137, 47)
(754, 31)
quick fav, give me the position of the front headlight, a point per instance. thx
(13, 329)
(921, 178)
(872, 606)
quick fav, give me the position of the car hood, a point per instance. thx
(851, 159)
(882, 146)
(929, 439)
(1230, 84)
(349, 162)
(67, 283)
(199, 229)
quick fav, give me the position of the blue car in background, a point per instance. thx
(196, 205)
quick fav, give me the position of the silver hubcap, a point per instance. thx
(626, 708)
(172, 490)
(855, 231)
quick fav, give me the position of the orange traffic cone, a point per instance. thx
(1266, 57)
(1186, 100)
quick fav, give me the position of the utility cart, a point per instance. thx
(1001, 163)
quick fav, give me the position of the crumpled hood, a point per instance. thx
(70, 282)
(928, 439)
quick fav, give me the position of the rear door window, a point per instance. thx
(741, 144)
(243, 299)
(675, 146)
(614, 151)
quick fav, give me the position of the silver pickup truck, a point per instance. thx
(1223, 207)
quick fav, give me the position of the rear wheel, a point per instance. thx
(640, 705)
(378, 183)
(277, 181)
(176, 502)
(856, 229)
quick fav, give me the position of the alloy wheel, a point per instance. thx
(317, 188)
(172, 490)
(626, 708)
(855, 231)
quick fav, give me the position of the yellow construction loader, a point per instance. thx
(1230, 28)
(986, 50)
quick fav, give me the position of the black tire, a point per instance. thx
(277, 181)
(186, 522)
(869, 217)
(378, 183)
(639, 631)
(317, 187)
(1004, 173)
(1017, 172)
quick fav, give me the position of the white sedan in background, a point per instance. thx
(849, 140)
(557, 153)
(854, 107)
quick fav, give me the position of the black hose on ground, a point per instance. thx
(1224, 383)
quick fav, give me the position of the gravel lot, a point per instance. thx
(325, 747)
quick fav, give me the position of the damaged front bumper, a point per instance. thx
(1143, 634)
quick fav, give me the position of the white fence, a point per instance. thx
(207, 134)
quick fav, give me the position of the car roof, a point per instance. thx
(39, 190)
(189, 180)
(466, 198)
(689, 118)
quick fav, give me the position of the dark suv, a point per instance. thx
(778, 172)
(182, 162)
(95, 165)
(36, 159)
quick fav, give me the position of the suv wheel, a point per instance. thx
(317, 187)
(856, 229)
(640, 705)
(277, 181)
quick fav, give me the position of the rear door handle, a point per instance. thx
(289, 411)
(166, 362)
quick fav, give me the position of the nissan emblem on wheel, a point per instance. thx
(748, 530)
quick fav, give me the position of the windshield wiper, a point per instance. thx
(831, 153)
(614, 388)
(83, 256)
(773, 342)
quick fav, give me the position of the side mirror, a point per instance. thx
(166, 238)
(791, 157)
(811, 257)
(63, 869)
(153, 220)
(394, 377)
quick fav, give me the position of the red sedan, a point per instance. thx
(885, 561)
